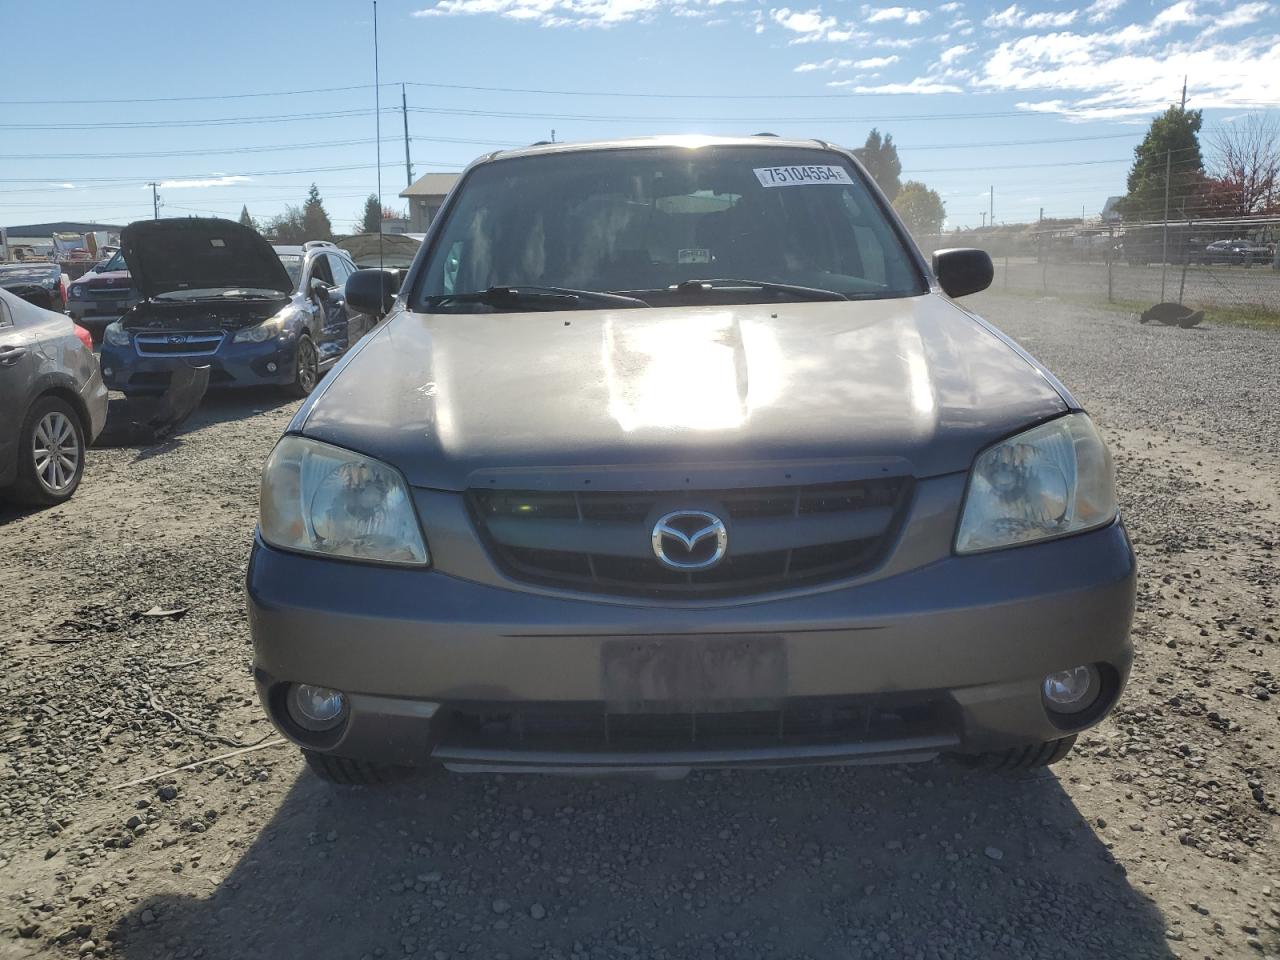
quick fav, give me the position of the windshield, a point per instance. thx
(293, 264)
(644, 220)
(115, 263)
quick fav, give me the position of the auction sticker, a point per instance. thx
(800, 176)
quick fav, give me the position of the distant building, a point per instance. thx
(62, 226)
(1111, 210)
(425, 197)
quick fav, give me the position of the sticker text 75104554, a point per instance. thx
(800, 176)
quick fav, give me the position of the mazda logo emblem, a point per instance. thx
(690, 540)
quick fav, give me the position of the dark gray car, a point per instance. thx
(676, 453)
(52, 403)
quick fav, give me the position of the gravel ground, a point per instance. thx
(1156, 838)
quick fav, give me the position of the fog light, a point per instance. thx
(315, 708)
(271, 366)
(1074, 690)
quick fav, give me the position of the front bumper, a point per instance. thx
(230, 365)
(946, 657)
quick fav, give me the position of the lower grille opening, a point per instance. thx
(587, 726)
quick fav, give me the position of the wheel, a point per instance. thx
(1029, 757)
(50, 454)
(347, 772)
(306, 368)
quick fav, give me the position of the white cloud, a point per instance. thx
(840, 63)
(895, 43)
(1237, 16)
(1123, 75)
(919, 85)
(550, 13)
(1102, 10)
(907, 15)
(1013, 16)
(217, 180)
(1184, 11)
(949, 7)
(952, 54)
(809, 24)
(63, 186)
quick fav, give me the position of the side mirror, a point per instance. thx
(320, 289)
(372, 291)
(963, 271)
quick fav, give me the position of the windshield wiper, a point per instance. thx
(550, 297)
(788, 289)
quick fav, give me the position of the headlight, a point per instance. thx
(1052, 480)
(116, 335)
(261, 332)
(323, 499)
(76, 291)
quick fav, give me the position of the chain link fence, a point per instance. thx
(1209, 265)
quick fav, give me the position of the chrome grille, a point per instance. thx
(177, 344)
(778, 536)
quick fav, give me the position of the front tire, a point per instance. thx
(1033, 756)
(351, 773)
(306, 368)
(50, 454)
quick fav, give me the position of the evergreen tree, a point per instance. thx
(880, 157)
(315, 221)
(371, 219)
(245, 219)
(1172, 143)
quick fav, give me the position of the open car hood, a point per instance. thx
(198, 254)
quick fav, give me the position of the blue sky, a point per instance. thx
(1042, 100)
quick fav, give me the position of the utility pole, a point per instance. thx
(404, 112)
(1164, 257)
(984, 218)
(155, 200)
(1184, 93)
(553, 134)
(992, 216)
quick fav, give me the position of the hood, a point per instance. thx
(116, 278)
(15, 273)
(192, 254)
(914, 381)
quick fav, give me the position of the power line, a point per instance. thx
(211, 122)
(188, 99)
(219, 151)
(622, 118)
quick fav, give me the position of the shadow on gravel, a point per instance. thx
(921, 862)
(214, 408)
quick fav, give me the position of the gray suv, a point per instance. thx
(675, 453)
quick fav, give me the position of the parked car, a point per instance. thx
(39, 282)
(53, 399)
(1234, 251)
(102, 296)
(676, 453)
(395, 250)
(216, 293)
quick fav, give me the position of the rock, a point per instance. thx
(87, 947)
(148, 918)
(167, 792)
(994, 853)
(501, 906)
(537, 911)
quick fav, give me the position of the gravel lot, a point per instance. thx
(1155, 839)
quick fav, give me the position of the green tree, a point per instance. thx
(288, 227)
(245, 219)
(315, 221)
(921, 209)
(1172, 144)
(880, 157)
(371, 219)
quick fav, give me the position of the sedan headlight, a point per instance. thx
(76, 291)
(116, 335)
(1049, 481)
(261, 332)
(318, 498)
